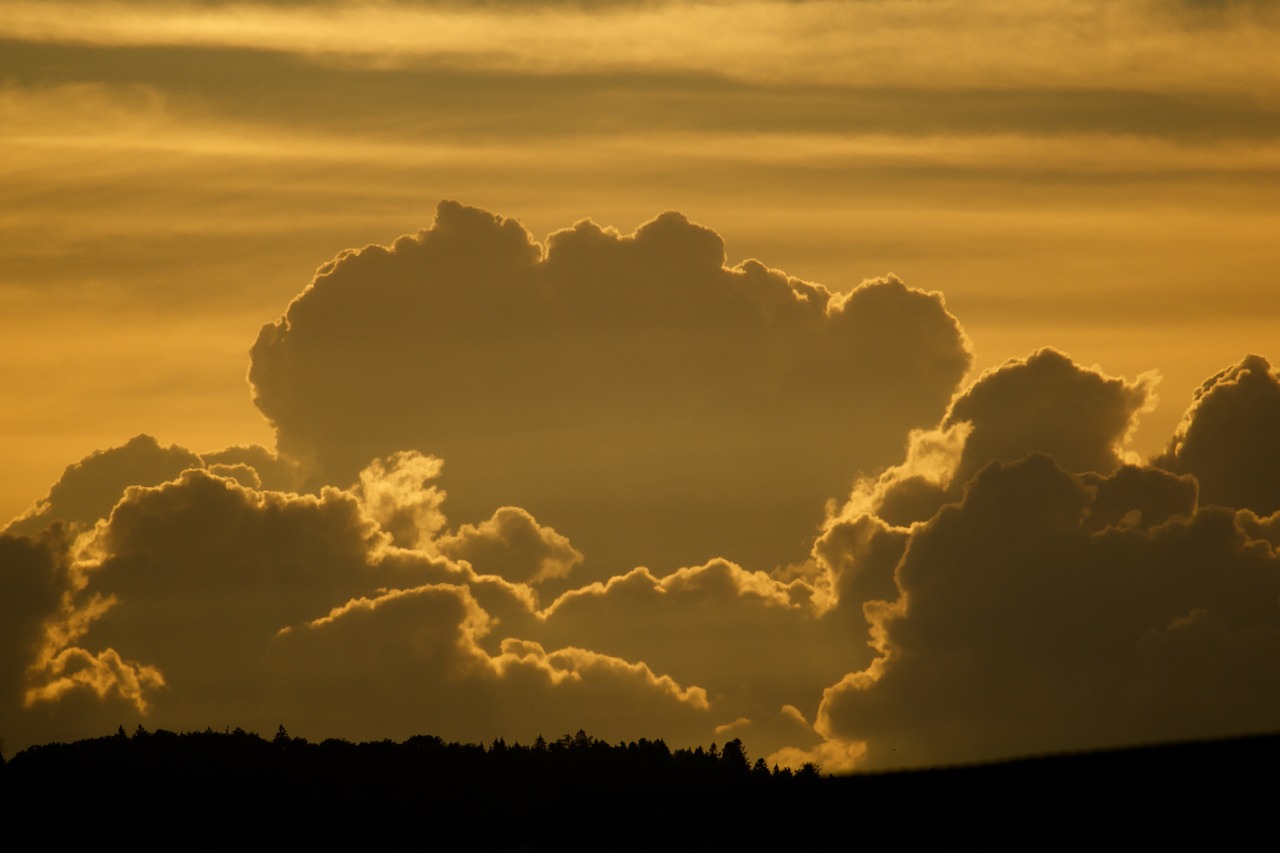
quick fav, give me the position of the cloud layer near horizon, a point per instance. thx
(1004, 576)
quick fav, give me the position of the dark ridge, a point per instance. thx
(210, 789)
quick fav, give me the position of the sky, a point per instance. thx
(883, 382)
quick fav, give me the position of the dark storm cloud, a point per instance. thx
(631, 391)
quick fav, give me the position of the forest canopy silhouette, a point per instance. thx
(578, 791)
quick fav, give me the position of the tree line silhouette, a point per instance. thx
(634, 764)
(576, 786)
(215, 789)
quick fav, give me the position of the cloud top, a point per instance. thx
(1230, 437)
(628, 388)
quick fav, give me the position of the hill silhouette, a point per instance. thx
(207, 789)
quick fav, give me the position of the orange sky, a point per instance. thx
(1099, 178)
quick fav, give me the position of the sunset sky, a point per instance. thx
(686, 388)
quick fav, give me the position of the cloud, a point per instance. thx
(1043, 403)
(1009, 44)
(859, 556)
(191, 577)
(49, 689)
(754, 642)
(1028, 589)
(1024, 626)
(1047, 403)
(33, 580)
(512, 545)
(411, 656)
(1017, 583)
(202, 600)
(88, 489)
(1229, 437)
(260, 467)
(629, 390)
(394, 492)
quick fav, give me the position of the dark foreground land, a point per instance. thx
(156, 790)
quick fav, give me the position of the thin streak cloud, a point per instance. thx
(1052, 44)
(137, 119)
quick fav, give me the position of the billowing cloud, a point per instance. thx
(33, 581)
(411, 655)
(394, 492)
(754, 642)
(1027, 589)
(199, 572)
(1230, 437)
(1023, 628)
(1044, 403)
(252, 465)
(202, 600)
(859, 555)
(89, 488)
(512, 545)
(629, 390)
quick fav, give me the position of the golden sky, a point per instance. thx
(813, 226)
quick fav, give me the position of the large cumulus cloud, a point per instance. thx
(470, 419)
(202, 600)
(1021, 629)
(1044, 403)
(631, 390)
(1040, 593)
